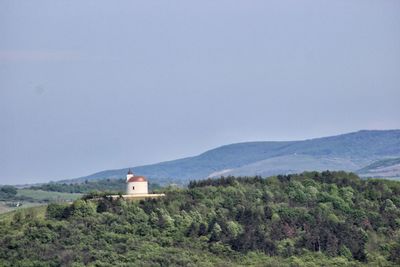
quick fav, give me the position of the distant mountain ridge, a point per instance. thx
(382, 168)
(350, 152)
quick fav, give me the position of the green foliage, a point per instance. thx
(7, 192)
(57, 211)
(345, 252)
(311, 219)
(82, 208)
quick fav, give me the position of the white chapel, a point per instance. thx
(136, 185)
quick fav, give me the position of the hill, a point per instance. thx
(348, 152)
(311, 219)
(382, 168)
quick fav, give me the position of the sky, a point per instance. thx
(87, 86)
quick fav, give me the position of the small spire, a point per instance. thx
(130, 172)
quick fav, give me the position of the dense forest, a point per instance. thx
(310, 219)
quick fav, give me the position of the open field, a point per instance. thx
(31, 198)
(41, 195)
(37, 211)
(392, 178)
(4, 208)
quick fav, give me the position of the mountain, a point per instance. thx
(350, 152)
(382, 168)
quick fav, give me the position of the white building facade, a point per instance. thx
(136, 185)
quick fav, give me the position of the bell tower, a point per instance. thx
(129, 175)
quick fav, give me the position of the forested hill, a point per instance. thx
(349, 152)
(311, 219)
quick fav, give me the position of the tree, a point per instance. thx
(7, 192)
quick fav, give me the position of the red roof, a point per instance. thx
(137, 179)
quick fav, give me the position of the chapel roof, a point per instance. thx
(137, 179)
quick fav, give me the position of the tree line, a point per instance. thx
(308, 219)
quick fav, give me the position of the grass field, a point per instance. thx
(36, 198)
(37, 210)
(5, 208)
(41, 195)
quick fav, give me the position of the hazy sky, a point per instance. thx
(92, 85)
